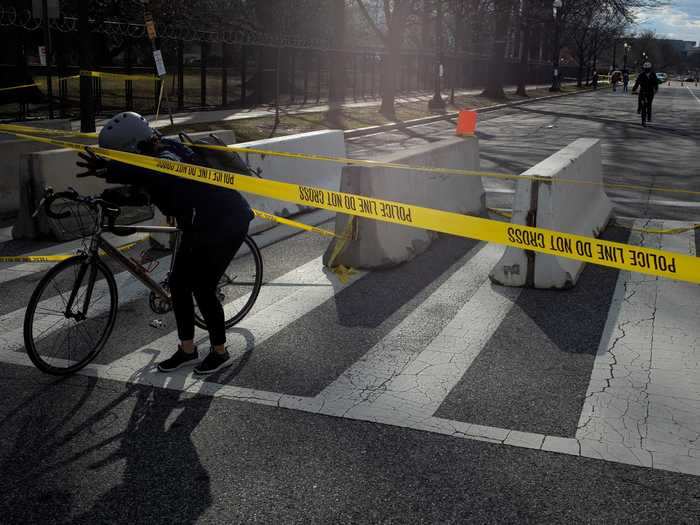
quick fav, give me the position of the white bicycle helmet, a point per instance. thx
(124, 132)
(646, 65)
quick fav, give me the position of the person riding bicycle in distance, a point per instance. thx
(214, 222)
(648, 85)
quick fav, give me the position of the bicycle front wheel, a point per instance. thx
(239, 286)
(70, 315)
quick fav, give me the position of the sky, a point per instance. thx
(680, 19)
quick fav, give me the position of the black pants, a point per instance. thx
(650, 100)
(200, 262)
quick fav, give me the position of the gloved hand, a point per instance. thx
(95, 166)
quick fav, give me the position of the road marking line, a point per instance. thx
(129, 289)
(643, 400)
(693, 93)
(182, 381)
(275, 309)
(390, 383)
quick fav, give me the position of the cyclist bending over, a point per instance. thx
(214, 222)
(648, 86)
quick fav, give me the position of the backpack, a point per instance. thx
(216, 158)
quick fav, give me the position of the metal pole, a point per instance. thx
(318, 77)
(244, 71)
(47, 41)
(437, 103)
(203, 74)
(180, 74)
(305, 57)
(87, 108)
(292, 73)
(128, 84)
(224, 73)
(556, 84)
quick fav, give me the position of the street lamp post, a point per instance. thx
(556, 9)
(627, 48)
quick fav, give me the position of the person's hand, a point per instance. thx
(95, 166)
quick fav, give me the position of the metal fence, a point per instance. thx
(209, 70)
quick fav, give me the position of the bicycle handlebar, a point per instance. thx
(72, 195)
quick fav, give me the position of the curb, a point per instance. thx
(370, 130)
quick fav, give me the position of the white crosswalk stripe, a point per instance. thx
(643, 402)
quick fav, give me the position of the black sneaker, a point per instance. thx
(214, 362)
(178, 359)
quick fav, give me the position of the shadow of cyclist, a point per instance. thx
(163, 478)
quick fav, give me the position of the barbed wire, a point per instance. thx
(10, 17)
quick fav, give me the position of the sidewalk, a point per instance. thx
(224, 115)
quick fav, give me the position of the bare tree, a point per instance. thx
(494, 82)
(390, 30)
(336, 88)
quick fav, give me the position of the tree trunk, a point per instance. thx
(336, 95)
(389, 72)
(581, 63)
(525, 49)
(494, 83)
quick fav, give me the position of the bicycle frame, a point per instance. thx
(97, 243)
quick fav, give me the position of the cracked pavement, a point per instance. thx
(419, 394)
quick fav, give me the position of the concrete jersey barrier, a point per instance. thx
(582, 209)
(381, 244)
(11, 151)
(57, 169)
(322, 174)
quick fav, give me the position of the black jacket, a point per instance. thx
(198, 207)
(647, 82)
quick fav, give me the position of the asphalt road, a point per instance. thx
(660, 156)
(267, 442)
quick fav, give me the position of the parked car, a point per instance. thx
(663, 77)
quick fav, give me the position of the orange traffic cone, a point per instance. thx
(466, 123)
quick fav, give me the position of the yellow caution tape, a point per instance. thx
(349, 233)
(117, 76)
(586, 249)
(45, 131)
(56, 258)
(501, 213)
(23, 86)
(391, 165)
(294, 224)
(442, 171)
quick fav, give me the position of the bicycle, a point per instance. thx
(644, 104)
(81, 292)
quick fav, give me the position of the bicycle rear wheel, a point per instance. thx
(60, 340)
(239, 286)
(644, 111)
